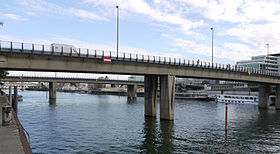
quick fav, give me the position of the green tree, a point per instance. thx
(3, 74)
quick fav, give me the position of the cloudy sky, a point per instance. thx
(174, 28)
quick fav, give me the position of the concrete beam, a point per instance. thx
(150, 94)
(37, 62)
(131, 92)
(277, 103)
(167, 97)
(52, 90)
(263, 96)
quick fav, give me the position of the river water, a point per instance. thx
(82, 123)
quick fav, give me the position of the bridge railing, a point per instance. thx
(90, 53)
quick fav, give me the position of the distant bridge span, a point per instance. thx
(69, 80)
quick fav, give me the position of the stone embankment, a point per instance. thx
(12, 136)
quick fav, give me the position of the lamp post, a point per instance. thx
(117, 7)
(267, 47)
(212, 29)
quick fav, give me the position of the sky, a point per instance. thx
(172, 28)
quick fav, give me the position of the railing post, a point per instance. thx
(130, 57)
(79, 52)
(11, 46)
(154, 59)
(142, 58)
(21, 47)
(123, 56)
(159, 59)
(43, 48)
(110, 54)
(184, 62)
(169, 61)
(62, 50)
(87, 53)
(0, 44)
(179, 62)
(94, 53)
(71, 51)
(102, 53)
(52, 50)
(32, 48)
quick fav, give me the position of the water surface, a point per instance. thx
(82, 123)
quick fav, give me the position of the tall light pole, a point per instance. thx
(117, 7)
(212, 29)
(267, 47)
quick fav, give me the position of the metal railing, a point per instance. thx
(90, 53)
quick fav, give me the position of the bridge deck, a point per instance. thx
(16, 56)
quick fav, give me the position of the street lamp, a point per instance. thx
(267, 46)
(212, 29)
(117, 7)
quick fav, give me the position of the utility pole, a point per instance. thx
(117, 7)
(212, 29)
(267, 46)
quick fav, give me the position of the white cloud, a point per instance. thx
(14, 17)
(39, 6)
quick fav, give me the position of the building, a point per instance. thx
(136, 78)
(262, 62)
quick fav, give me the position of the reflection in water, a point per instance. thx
(52, 102)
(150, 135)
(166, 136)
(157, 141)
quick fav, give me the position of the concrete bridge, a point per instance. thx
(31, 57)
(131, 85)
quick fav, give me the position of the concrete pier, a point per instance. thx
(15, 99)
(263, 96)
(10, 94)
(131, 92)
(277, 103)
(167, 97)
(150, 85)
(52, 90)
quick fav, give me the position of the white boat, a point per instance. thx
(242, 99)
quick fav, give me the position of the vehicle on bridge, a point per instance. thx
(65, 49)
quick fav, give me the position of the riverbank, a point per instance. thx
(12, 136)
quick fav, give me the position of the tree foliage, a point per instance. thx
(3, 73)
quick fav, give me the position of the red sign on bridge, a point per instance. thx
(107, 60)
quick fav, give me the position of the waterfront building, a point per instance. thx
(262, 62)
(136, 78)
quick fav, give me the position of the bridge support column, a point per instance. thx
(167, 97)
(277, 103)
(150, 95)
(263, 96)
(15, 99)
(10, 95)
(52, 90)
(131, 92)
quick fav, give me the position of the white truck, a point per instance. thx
(58, 48)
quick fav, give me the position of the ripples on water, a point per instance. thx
(81, 123)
